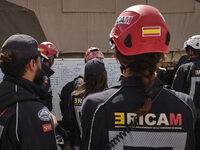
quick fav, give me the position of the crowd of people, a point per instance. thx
(139, 113)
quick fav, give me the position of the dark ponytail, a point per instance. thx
(143, 66)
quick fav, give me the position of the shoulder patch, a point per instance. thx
(47, 127)
(44, 114)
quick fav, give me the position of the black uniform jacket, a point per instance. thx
(48, 72)
(75, 121)
(107, 116)
(25, 123)
(187, 80)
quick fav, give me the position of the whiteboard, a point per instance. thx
(67, 69)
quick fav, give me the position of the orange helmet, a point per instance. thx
(93, 52)
(48, 50)
(140, 29)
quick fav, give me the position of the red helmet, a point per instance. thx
(48, 50)
(140, 29)
(93, 52)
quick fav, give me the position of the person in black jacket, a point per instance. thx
(95, 80)
(65, 95)
(138, 114)
(25, 123)
(49, 52)
(187, 77)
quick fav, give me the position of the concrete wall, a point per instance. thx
(75, 25)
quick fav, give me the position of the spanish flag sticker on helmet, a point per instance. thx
(151, 31)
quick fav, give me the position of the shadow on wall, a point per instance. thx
(17, 19)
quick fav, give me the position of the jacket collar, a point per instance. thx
(192, 59)
(48, 71)
(26, 91)
(26, 84)
(136, 81)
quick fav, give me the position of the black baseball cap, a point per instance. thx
(22, 45)
(94, 67)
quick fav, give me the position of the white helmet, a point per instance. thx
(193, 41)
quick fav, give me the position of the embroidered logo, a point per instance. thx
(44, 114)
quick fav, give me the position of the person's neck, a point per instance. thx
(128, 73)
(28, 77)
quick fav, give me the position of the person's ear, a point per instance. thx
(32, 65)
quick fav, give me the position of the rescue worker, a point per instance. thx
(48, 52)
(90, 53)
(139, 113)
(187, 77)
(95, 80)
(25, 123)
(65, 96)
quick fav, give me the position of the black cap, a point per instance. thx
(94, 67)
(23, 46)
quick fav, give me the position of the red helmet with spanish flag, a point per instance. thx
(48, 50)
(140, 29)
